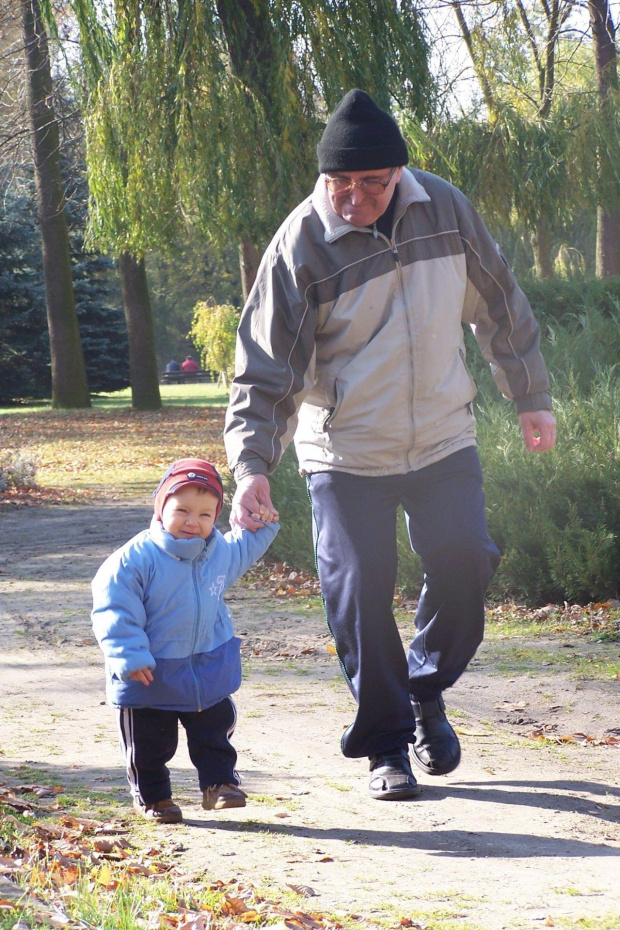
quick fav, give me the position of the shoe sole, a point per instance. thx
(395, 794)
(169, 818)
(434, 770)
(233, 802)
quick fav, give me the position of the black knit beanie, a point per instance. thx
(360, 136)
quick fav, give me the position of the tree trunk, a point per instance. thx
(607, 242)
(249, 260)
(608, 210)
(69, 384)
(142, 359)
(541, 246)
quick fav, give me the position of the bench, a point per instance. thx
(185, 377)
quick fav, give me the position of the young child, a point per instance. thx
(170, 651)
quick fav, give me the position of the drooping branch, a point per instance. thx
(487, 92)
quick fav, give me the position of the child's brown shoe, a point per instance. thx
(217, 797)
(159, 812)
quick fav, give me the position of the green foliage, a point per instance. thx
(293, 544)
(556, 517)
(556, 299)
(214, 332)
(511, 167)
(194, 117)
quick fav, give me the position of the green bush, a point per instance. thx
(293, 544)
(214, 333)
(556, 516)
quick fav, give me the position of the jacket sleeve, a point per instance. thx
(274, 360)
(501, 316)
(245, 548)
(119, 618)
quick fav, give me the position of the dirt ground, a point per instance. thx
(524, 834)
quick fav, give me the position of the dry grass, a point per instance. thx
(112, 453)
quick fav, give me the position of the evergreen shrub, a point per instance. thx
(24, 339)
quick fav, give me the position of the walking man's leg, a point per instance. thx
(447, 528)
(355, 539)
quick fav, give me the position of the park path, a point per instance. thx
(524, 834)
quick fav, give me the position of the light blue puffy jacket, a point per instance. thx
(158, 603)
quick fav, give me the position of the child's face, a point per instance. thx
(190, 513)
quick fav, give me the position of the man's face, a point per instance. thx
(358, 206)
(189, 513)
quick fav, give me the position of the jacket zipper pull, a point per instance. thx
(375, 231)
(394, 251)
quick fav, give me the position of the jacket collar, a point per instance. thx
(409, 191)
(183, 549)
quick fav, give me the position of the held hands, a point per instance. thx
(538, 428)
(144, 675)
(251, 505)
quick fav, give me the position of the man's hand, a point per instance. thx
(144, 675)
(538, 428)
(251, 505)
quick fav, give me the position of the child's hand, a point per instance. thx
(144, 675)
(264, 515)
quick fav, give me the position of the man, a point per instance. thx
(190, 364)
(352, 340)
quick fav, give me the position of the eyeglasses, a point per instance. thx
(373, 186)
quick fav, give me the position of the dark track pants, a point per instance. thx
(149, 738)
(354, 521)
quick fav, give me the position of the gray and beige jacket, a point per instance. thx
(353, 343)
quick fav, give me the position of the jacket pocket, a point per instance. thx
(473, 384)
(332, 411)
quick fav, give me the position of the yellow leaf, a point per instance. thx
(104, 875)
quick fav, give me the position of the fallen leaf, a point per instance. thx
(304, 890)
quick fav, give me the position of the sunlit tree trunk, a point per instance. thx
(541, 247)
(142, 359)
(606, 61)
(69, 384)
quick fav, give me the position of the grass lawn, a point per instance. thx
(112, 451)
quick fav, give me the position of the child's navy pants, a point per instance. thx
(354, 521)
(149, 738)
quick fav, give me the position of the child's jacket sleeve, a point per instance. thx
(245, 548)
(119, 618)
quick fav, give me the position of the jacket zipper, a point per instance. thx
(401, 288)
(196, 626)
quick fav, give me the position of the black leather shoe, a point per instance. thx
(436, 747)
(391, 777)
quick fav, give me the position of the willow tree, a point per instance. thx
(515, 60)
(69, 384)
(211, 117)
(120, 219)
